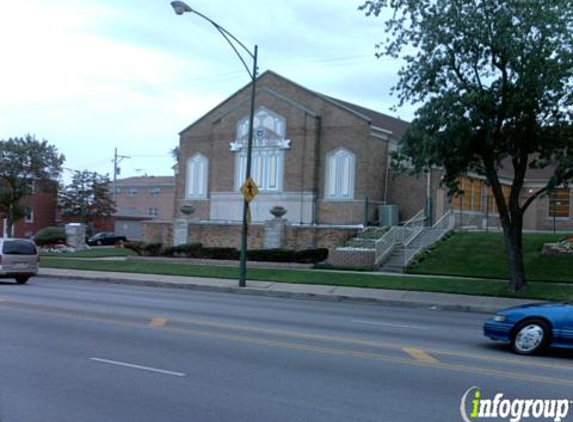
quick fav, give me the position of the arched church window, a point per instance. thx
(197, 176)
(340, 169)
(269, 145)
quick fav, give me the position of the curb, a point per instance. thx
(265, 292)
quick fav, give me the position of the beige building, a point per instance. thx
(142, 198)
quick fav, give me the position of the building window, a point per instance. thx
(153, 191)
(197, 176)
(266, 169)
(28, 215)
(153, 212)
(269, 145)
(476, 196)
(559, 202)
(132, 191)
(340, 168)
(117, 190)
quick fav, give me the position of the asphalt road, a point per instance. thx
(81, 351)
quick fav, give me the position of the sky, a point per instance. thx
(90, 76)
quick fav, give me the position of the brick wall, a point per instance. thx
(348, 258)
(229, 235)
(157, 231)
(315, 127)
(44, 206)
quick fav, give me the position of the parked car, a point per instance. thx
(105, 238)
(18, 259)
(532, 328)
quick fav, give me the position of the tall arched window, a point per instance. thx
(340, 166)
(197, 176)
(269, 145)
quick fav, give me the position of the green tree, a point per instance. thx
(494, 79)
(24, 163)
(86, 197)
(175, 154)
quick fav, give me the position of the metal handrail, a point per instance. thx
(398, 235)
(445, 224)
(447, 217)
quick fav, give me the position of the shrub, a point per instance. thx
(271, 255)
(218, 253)
(189, 249)
(186, 249)
(311, 256)
(50, 236)
(151, 249)
(134, 246)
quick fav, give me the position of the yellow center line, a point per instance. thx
(375, 343)
(377, 356)
(323, 350)
(158, 322)
(420, 355)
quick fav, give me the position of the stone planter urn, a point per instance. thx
(278, 212)
(187, 209)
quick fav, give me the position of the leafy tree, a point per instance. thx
(495, 82)
(86, 197)
(174, 153)
(24, 163)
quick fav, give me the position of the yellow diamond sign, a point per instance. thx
(249, 190)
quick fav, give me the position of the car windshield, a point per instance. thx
(18, 247)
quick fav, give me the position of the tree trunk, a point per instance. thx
(514, 250)
(10, 222)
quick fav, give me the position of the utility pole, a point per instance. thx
(116, 160)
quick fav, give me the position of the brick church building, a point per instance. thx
(327, 162)
(324, 160)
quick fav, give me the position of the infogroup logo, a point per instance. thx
(475, 407)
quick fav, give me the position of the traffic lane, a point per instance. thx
(358, 318)
(431, 330)
(225, 377)
(282, 315)
(227, 304)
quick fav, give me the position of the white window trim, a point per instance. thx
(333, 189)
(29, 219)
(264, 184)
(198, 191)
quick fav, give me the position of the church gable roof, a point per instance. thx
(374, 118)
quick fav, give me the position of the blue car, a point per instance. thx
(532, 328)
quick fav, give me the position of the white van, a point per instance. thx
(18, 259)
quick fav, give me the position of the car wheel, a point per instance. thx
(531, 337)
(99, 243)
(22, 279)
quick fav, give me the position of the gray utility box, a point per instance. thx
(388, 215)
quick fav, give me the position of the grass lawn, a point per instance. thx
(484, 287)
(483, 255)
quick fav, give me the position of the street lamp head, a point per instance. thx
(179, 7)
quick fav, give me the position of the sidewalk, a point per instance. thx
(334, 293)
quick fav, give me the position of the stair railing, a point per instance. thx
(445, 224)
(398, 235)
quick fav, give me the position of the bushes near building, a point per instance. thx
(50, 236)
(197, 251)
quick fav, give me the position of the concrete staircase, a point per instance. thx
(395, 262)
(402, 255)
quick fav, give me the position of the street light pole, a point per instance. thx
(180, 7)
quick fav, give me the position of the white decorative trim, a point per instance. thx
(196, 177)
(340, 175)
